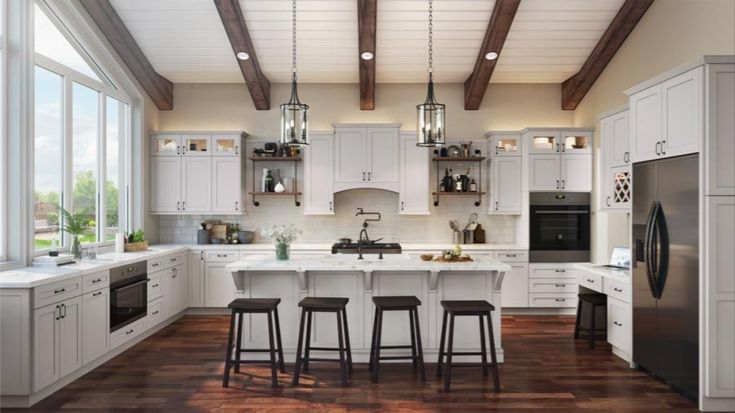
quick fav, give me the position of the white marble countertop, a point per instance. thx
(391, 262)
(617, 274)
(265, 246)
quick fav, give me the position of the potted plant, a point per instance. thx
(135, 241)
(283, 235)
(75, 224)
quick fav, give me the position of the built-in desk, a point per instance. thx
(616, 284)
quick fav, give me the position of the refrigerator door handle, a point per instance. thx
(648, 249)
(661, 258)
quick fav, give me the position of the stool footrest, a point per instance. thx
(255, 350)
(394, 347)
(321, 360)
(324, 348)
(464, 365)
(263, 361)
(464, 353)
(398, 358)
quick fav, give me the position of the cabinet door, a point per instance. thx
(196, 184)
(619, 145)
(319, 175)
(645, 124)
(196, 279)
(543, 142)
(351, 158)
(226, 145)
(165, 145)
(45, 346)
(683, 113)
(95, 324)
(181, 287)
(196, 145)
(544, 172)
(226, 184)
(576, 172)
(70, 336)
(505, 182)
(165, 184)
(414, 187)
(515, 286)
(619, 330)
(619, 188)
(219, 287)
(506, 145)
(383, 154)
(572, 142)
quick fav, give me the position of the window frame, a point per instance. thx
(3, 135)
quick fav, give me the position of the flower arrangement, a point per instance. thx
(283, 235)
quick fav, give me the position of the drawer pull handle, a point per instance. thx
(173, 260)
(617, 289)
(155, 264)
(59, 291)
(173, 276)
(590, 281)
(96, 281)
(560, 270)
(617, 324)
(561, 285)
(97, 293)
(128, 332)
(154, 285)
(155, 312)
(561, 299)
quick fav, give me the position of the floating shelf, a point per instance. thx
(459, 193)
(274, 193)
(478, 159)
(458, 159)
(294, 194)
(275, 158)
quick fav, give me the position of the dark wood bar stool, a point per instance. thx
(593, 301)
(396, 303)
(242, 306)
(477, 308)
(310, 305)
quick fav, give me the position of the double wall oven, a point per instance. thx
(128, 294)
(559, 227)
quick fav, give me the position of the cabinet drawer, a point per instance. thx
(591, 281)
(552, 300)
(561, 285)
(93, 282)
(155, 285)
(512, 256)
(156, 264)
(221, 256)
(550, 271)
(617, 289)
(618, 324)
(155, 312)
(173, 260)
(127, 333)
(58, 291)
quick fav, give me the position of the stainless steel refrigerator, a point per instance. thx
(666, 271)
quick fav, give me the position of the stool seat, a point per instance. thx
(254, 304)
(467, 307)
(400, 302)
(324, 303)
(593, 298)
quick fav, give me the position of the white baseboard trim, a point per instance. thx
(538, 311)
(710, 404)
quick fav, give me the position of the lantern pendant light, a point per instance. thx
(294, 114)
(431, 128)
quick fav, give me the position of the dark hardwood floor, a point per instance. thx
(180, 368)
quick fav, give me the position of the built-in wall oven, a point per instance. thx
(559, 227)
(128, 294)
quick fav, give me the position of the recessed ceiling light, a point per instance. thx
(491, 55)
(367, 55)
(243, 55)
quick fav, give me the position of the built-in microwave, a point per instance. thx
(559, 229)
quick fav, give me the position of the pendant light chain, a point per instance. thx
(293, 39)
(431, 37)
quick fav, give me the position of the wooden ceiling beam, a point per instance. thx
(237, 31)
(497, 30)
(367, 11)
(576, 87)
(160, 89)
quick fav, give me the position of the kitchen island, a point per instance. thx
(260, 276)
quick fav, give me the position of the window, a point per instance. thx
(81, 139)
(3, 144)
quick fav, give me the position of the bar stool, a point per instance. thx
(396, 303)
(467, 308)
(310, 305)
(593, 301)
(242, 306)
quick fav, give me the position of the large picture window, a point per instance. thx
(3, 140)
(81, 139)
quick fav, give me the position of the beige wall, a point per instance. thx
(672, 32)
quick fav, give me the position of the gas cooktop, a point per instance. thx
(367, 248)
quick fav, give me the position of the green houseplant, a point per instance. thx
(76, 224)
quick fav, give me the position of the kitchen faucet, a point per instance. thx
(364, 238)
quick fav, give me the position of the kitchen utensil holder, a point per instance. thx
(458, 237)
(468, 236)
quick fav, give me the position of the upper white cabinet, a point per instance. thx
(615, 170)
(366, 157)
(414, 170)
(506, 144)
(544, 171)
(541, 141)
(319, 174)
(559, 160)
(576, 172)
(197, 173)
(720, 144)
(666, 119)
(506, 165)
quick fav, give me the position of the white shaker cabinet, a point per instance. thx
(383, 152)
(219, 289)
(227, 174)
(196, 184)
(176, 287)
(366, 156)
(196, 278)
(351, 160)
(544, 172)
(560, 161)
(57, 344)
(319, 174)
(615, 169)
(165, 184)
(505, 185)
(515, 286)
(413, 195)
(95, 324)
(166, 145)
(615, 136)
(576, 172)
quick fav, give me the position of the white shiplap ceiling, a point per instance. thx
(548, 41)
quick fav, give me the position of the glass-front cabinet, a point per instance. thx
(576, 142)
(197, 145)
(543, 141)
(506, 145)
(166, 145)
(226, 145)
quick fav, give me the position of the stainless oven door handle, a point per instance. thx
(135, 284)
(561, 212)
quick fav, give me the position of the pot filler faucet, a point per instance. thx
(364, 238)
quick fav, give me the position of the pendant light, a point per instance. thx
(431, 129)
(294, 114)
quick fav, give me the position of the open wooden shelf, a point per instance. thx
(275, 158)
(459, 193)
(274, 193)
(459, 158)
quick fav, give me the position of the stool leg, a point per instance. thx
(372, 339)
(307, 344)
(342, 362)
(376, 356)
(493, 358)
(347, 342)
(238, 345)
(272, 352)
(592, 328)
(414, 361)
(441, 345)
(281, 364)
(579, 315)
(299, 346)
(483, 350)
(228, 356)
(450, 349)
(419, 346)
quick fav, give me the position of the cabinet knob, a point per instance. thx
(363, 176)
(370, 176)
(401, 205)
(178, 206)
(617, 289)
(496, 205)
(330, 205)
(617, 324)
(563, 183)
(236, 206)
(557, 184)
(663, 147)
